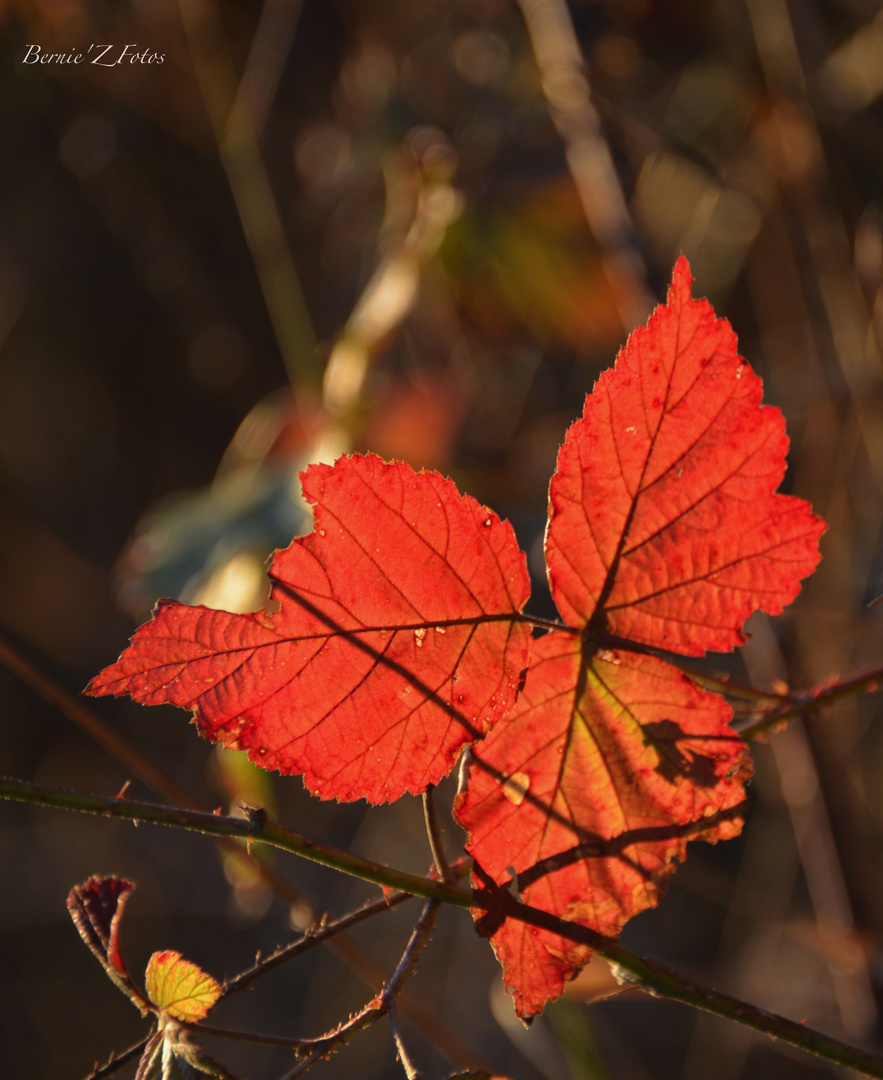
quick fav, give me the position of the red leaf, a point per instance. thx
(392, 648)
(610, 761)
(665, 530)
(96, 908)
(663, 524)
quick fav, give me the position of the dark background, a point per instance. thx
(405, 171)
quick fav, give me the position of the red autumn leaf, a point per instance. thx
(96, 908)
(606, 776)
(664, 525)
(393, 647)
(665, 530)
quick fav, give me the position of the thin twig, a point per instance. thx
(381, 1005)
(311, 939)
(257, 828)
(116, 1061)
(434, 836)
(732, 688)
(252, 192)
(88, 721)
(242, 1036)
(661, 981)
(246, 977)
(266, 59)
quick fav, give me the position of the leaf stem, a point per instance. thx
(655, 978)
(544, 624)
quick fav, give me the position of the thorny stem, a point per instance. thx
(116, 1061)
(800, 702)
(411, 1071)
(653, 977)
(256, 828)
(311, 939)
(733, 689)
(660, 981)
(242, 1036)
(381, 1005)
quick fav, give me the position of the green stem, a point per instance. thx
(653, 977)
(658, 980)
(256, 829)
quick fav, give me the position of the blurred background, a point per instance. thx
(421, 228)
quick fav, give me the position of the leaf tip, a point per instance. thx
(681, 289)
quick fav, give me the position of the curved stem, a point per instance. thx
(434, 835)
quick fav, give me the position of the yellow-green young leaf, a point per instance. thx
(179, 987)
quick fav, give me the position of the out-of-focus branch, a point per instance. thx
(391, 291)
(566, 86)
(266, 60)
(231, 119)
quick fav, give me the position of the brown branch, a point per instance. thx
(316, 1049)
